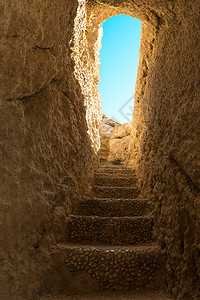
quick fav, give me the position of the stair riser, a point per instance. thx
(79, 269)
(124, 182)
(119, 173)
(117, 193)
(112, 208)
(113, 231)
(114, 270)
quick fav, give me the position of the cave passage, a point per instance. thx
(119, 57)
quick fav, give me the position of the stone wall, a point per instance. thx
(87, 62)
(168, 157)
(46, 154)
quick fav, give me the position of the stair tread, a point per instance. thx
(136, 295)
(115, 181)
(101, 175)
(111, 218)
(111, 207)
(111, 230)
(114, 187)
(85, 198)
(105, 174)
(112, 171)
(89, 247)
(119, 171)
(113, 166)
(115, 192)
(115, 169)
(111, 267)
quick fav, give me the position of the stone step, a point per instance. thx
(86, 268)
(115, 171)
(113, 295)
(113, 166)
(114, 175)
(123, 172)
(107, 207)
(110, 165)
(115, 192)
(125, 181)
(110, 230)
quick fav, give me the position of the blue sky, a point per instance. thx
(119, 62)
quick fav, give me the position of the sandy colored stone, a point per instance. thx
(122, 131)
(46, 154)
(119, 149)
(115, 141)
(106, 129)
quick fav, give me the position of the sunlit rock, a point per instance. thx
(106, 130)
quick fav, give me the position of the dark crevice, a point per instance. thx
(36, 246)
(14, 36)
(160, 21)
(188, 178)
(43, 48)
(65, 94)
(28, 97)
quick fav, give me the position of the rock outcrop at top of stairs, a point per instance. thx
(115, 141)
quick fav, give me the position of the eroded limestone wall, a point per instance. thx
(46, 154)
(86, 56)
(169, 157)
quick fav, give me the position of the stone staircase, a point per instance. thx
(109, 243)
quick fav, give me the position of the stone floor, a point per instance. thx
(116, 296)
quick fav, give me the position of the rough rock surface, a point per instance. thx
(46, 154)
(115, 141)
(167, 154)
(106, 129)
(122, 131)
(86, 69)
(120, 144)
